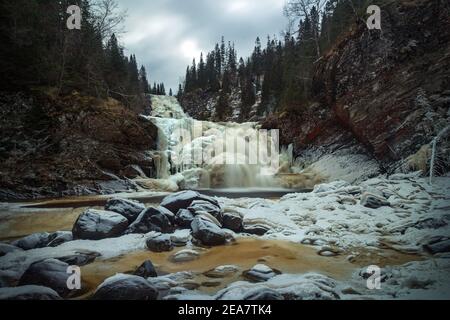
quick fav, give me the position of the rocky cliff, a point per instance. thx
(73, 145)
(387, 91)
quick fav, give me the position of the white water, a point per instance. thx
(183, 140)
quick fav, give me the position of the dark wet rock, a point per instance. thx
(49, 273)
(34, 241)
(201, 206)
(169, 214)
(28, 293)
(263, 294)
(438, 247)
(146, 270)
(151, 219)
(373, 201)
(80, 258)
(128, 208)
(8, 248)
(58, 238)
(232, 221)
(260, 273)
(184, 199)
(8, 278)
(207, 232)
(125, 287)
(97, 225)
(258, 230)
(184, 218)
(161, 243)
(431, 223)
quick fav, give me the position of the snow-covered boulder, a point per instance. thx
(7, 248)
(370, 200)
(207, 232)
(151, 219)
(128, 208)
(184, 218)
(58, 238)
(97, 225)
(161, 243)
(260, 273)
(200, 206)
(34, 241)
(125, 287)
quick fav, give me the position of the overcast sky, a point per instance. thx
(166, 35)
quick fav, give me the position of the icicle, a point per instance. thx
(433, 152)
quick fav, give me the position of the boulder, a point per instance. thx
(263, 294)
(7, 248)
(184, 199)
(97, 225)
(34, 241)
(161, 243)
(438, 247)
(207, 232)
(126, 287)
(146, 270)
(28, 293)
(260, 273)
(232, 221)
(9, 278)
(169, 214)
(181, 238)
(184, 218)
(185, 256)
(373, 201)
(49, 273)
(151, 219)
(202, 206)
(222, 272)
(256, 229)
(58, 238)
(128, 208)
(80, 258)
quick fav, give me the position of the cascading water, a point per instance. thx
(232, 160)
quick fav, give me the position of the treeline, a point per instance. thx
(279, 75)
(39, 50)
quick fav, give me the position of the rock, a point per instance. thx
(49, 273)
(146, 270)
(263, 294)
(260, 273)
(181, 238)
(34, 241)
(9, 278)
(369, 200)
(184, 199)
(207, 232)
(256, 229)
(184, 218)
(28, 293)
(125, 287)
(201, 206)
(97, 225)
(185, 256)
(161, 243)
(151, 219)
(58, 238)
(80, 258)
(232, 221)
(439, 247)
(8, 248)
(210, 218)
(128, 208)
(169, 214)
(222, 272)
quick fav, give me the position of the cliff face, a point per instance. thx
(389, 89)
(70, 146)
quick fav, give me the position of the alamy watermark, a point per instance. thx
(74, 279)
(374, 279)
(74, 20)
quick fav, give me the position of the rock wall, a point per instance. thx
(70, 146)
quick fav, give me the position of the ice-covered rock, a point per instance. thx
(34, 241)
(438, 247)
(373, 201)
(28, 293)
(260, 273)
(58, 238)
(207, 232)
(125, 287)
(151, 219)
(97, 225)
(185, 256)
(80, 258)
(201, 206)
(7, 248)
(128, 208)
(184, 218)
(222, 272)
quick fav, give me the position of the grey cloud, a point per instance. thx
(166, 34)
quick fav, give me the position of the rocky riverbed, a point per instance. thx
(314, 245)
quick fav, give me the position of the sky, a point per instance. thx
(165, 35)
